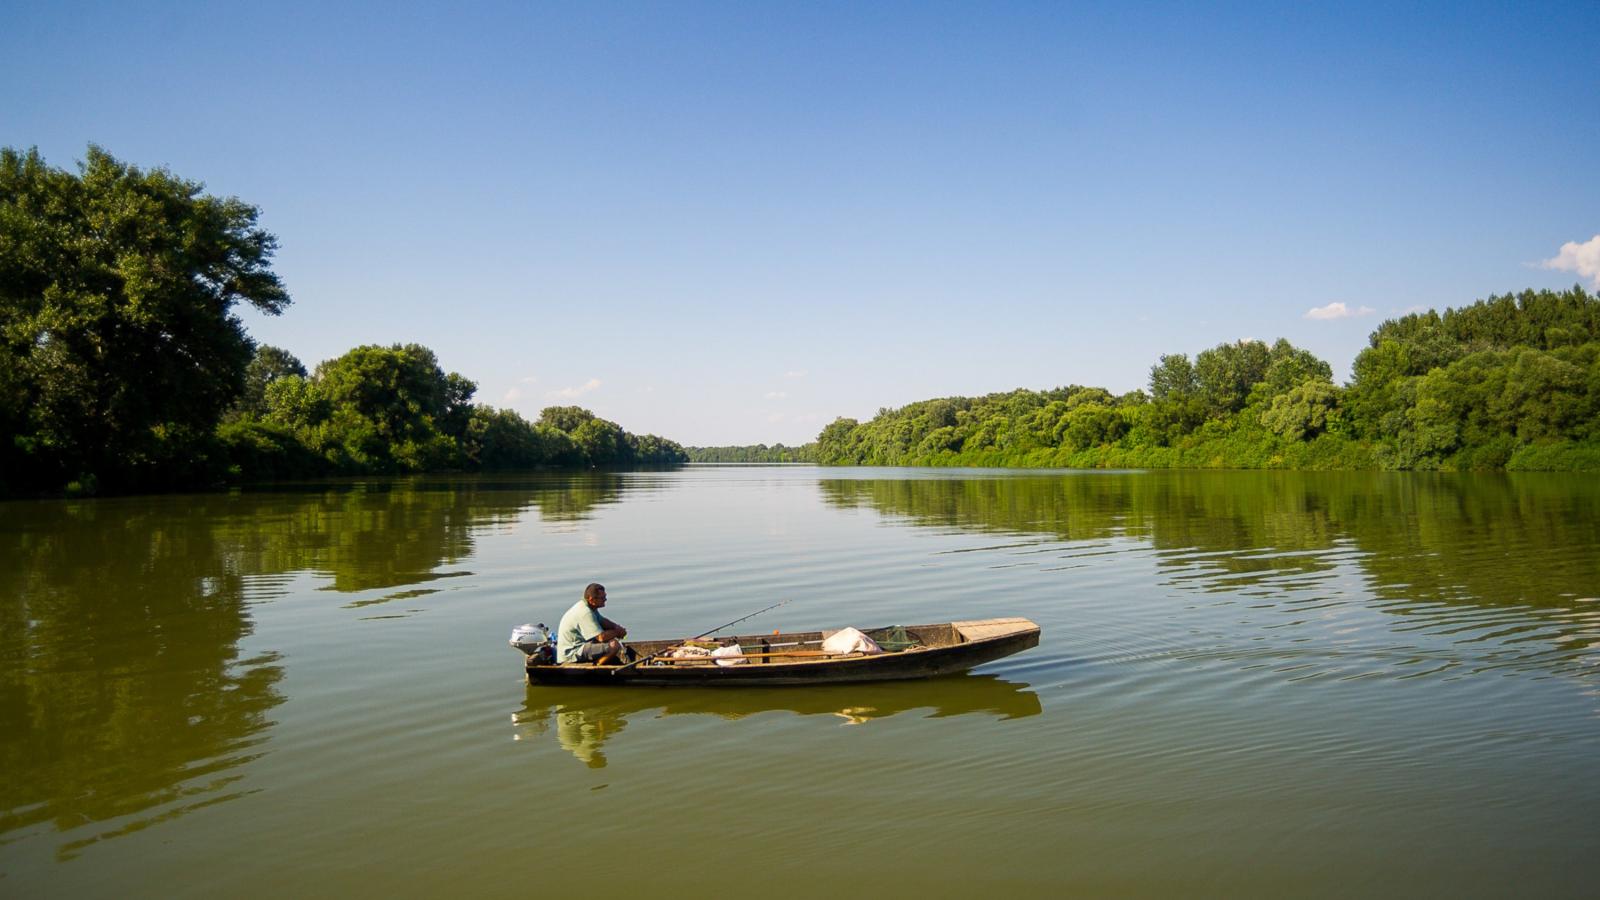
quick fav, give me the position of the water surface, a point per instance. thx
(1249, 684)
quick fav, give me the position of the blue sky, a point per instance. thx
(731, 223)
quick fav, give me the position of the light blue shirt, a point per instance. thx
(579, 625)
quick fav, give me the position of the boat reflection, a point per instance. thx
(583, 719)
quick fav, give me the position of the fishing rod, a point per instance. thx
(697, 637)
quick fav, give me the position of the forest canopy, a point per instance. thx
(119, 349)
(394, 410)
(123, 366)
(1511, 382)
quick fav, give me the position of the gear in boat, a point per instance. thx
(806, 657)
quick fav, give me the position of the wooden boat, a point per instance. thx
(794, 658)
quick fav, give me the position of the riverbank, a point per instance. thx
(1327, 454)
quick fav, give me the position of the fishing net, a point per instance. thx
(896, 638)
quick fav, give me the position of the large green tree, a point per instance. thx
(1227, 372)
(378, 409)
(1173, 378)
(118, 342)
(565, 418)
(268, 365)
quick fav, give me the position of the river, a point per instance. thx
(1249, 684)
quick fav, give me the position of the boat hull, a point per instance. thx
(967, 645)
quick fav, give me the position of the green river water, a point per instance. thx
(1250, 684)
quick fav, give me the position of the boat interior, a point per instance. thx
(807, 646)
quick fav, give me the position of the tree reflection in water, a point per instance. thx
(122, 692)
(1420, 536)
(125, 699)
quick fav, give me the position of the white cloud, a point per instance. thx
(1337, 310)
(578, 391)
(795, 373)
(512, 395)
(776, 395)
(530, 379)
(1583, 259)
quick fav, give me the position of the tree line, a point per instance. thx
(1510, 382)
(394, 410)
(753, 453)
(123, 366)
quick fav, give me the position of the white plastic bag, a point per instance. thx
(731, 655)
(850, 640)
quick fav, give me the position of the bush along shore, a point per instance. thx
(1507, 383)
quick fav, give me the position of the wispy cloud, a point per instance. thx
(776, 395)
(578, 391)
(1583, 259)
(512, 395)
(1337, 310)
(795, 373)
(529, 379)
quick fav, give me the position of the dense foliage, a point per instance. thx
(1511, 381)
(394, 410)
(123, 367)
(754, 453)
(118, 346)
(1508, 382)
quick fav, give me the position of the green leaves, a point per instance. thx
(393, 409)
(1227, 372)
(1304, 411)
(1472, 387)
(1432, 391)
(1173, 377)
(268, 365)
(116, 291)
(120, 354)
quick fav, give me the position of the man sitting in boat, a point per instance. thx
(585, 636)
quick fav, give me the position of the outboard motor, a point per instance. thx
(537, 642)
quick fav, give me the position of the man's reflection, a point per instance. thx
(580, 729)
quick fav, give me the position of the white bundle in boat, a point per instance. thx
(731, 655)
(850, 640)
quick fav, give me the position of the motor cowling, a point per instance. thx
(536, 642)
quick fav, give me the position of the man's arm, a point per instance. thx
(612, 630)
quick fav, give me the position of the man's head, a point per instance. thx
(595, 594)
